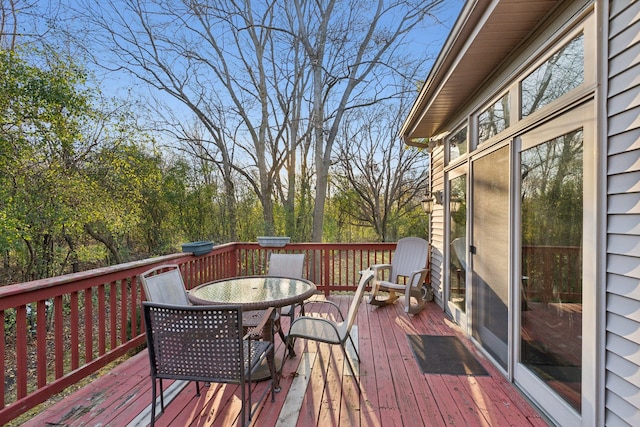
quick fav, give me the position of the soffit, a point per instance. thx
(486, 33)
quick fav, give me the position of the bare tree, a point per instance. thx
(221, 61)
(354, 53)
(270, 81)
(387, 177)
(21, 22)
(8, 24)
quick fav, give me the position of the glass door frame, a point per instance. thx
(471, 305)
(582, 116)
(452, 309)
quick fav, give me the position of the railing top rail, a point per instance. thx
(76, 281)
(102, 272)
(318, 245)
(72, 277)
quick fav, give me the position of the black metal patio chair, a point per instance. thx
(206, 344)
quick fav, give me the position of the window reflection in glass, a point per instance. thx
(458, 241)
(458, 144)
(551, 305)
(560, 74)
(494, 119)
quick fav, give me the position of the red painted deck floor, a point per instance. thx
(395, 391)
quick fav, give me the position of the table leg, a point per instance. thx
(267, 335)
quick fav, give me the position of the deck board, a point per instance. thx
(387, 401)
(369, 402)
(425, 398)
(395, 391)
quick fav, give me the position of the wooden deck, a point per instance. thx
(317, 389)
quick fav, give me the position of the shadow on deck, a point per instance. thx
(316, 387)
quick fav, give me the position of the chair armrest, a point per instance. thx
(380, 267)
(379, 274)
(268, 313)
(331, 303)
(417, 273)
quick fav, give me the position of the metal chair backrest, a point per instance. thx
(163, 284)
(412, 254)
(357, 298)
(286, 265)
(196, 343)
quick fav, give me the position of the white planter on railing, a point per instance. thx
(273, 241)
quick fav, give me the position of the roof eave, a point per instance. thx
(486, 33)
(450, 49)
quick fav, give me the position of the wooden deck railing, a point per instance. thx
(58, 331)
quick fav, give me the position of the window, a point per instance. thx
(458, 241)
(558, 75)
(494, 119)
(457, 144)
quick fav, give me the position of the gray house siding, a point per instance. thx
(622, 382)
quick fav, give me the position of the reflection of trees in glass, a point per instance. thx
(457, 264)
(552, 181)
(459, 218)
(561, 73)
(458, 144)
(494, 119)
(552, 218)
(552, 192)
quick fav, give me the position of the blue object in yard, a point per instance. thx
(198, 248)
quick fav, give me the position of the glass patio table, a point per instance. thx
(255, 293)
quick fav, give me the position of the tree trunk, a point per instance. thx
(107, 241)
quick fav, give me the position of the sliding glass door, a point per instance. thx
(554, 219)
(551, 236)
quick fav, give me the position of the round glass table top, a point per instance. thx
(253, 292)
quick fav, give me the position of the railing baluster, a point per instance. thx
(88, 325)
(2, 357)
(102, 321)
(124, 313)
(41, 343)
(134, 307)
(21, 351)
(113, 315)
(58, 333)
(74, 324)
(341, 270)
(324, 278)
